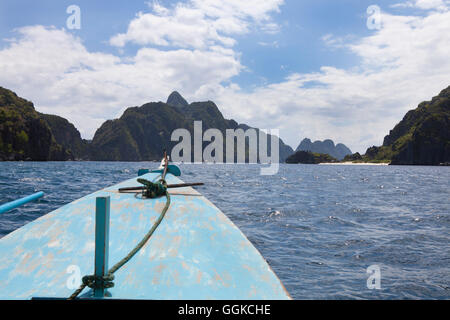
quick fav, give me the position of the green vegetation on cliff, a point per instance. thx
(307, 157)
(67, 136)
(142, 133)
(421, 138)
(353, 157)
(24, 134)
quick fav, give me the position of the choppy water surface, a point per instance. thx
(319, 227)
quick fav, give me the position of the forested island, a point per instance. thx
(422, 137)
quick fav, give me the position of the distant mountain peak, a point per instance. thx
(176, 100)
(327, 146)
(329, 143)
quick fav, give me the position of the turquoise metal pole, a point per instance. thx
(19, 202)
(102, 208)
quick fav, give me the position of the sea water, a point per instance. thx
(319, 227)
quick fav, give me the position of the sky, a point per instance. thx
(345, 70)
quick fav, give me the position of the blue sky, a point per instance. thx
(311, 68)
(298, 47)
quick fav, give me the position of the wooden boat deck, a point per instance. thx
(196, 252)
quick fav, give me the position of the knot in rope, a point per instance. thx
(95, 282)
(153, 190)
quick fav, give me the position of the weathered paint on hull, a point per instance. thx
(196, 252)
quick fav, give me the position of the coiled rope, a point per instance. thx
(153, 190)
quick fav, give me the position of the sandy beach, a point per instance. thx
(355, 164)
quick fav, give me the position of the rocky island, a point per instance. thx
(307, 157)
(421, 138)
(140, 134)
(338, 151)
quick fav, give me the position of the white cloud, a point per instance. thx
(334, 42)
(423, 4)
(199, 23)
(402, 64)
(52, 68)
(399, 66)
(273, 44)
(429, 4)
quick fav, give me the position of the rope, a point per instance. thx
(155, 190)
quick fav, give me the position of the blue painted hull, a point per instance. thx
(196, 252)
